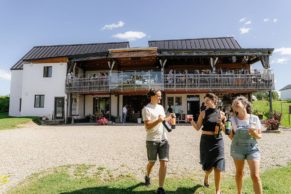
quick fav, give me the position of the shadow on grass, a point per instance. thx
(108, 190)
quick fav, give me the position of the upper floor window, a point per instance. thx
(38, 101)
(47, 71)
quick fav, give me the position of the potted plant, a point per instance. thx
(273, 123)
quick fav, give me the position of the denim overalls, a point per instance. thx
(243, 145)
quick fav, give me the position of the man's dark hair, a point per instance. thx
(152, 92)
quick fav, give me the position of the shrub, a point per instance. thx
(4, 103)
(274, 121)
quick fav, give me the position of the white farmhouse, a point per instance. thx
(90, 81)
(286, 92)
(38, 80)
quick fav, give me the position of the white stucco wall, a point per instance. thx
(81, 106)
(15, 92)
(114, 105)
(286, 94)
(88, 105)
(33, 83)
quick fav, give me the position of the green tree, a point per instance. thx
(261, 95)
(275, 95)
(4, 103)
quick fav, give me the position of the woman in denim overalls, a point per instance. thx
(246, 129)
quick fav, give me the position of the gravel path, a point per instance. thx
(32, 149)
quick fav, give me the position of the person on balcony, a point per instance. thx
(170, 77)
(69, 79)
(246, 129)
(211, 143)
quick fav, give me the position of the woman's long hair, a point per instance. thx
(244, 101)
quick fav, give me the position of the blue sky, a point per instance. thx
(253, 23)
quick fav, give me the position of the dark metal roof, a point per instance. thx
(201, 43)
(286, 87)
(44, 52)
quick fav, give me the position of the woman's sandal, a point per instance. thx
(206, 185)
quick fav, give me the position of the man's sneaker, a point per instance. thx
(161, 191)
(147, 181)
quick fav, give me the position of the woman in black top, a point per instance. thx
(211, 143)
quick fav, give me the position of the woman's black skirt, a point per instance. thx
(212, 152)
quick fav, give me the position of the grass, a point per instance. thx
(89, 179)
(7, 122)
(278, 106)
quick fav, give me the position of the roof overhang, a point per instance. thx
(214, 52)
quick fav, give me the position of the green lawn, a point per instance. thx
(7, 122)
(89, 179)
(279, 106)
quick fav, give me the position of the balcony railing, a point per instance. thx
(87, 85)
(135, 81)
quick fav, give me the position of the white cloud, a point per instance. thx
(130, 35)
(274, 20)
(248, 22)
(283, 51)
(5, 74)
(243, 19)
(119, 24)
(280, 61)
(266, 19)
(244, 30)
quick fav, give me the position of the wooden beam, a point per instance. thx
(51, 60)
(265, 62)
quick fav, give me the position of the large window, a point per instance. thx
(38, 101)
(47, 71)
(175, 104)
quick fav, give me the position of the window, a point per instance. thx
(170, 101)
(20, 104)
(47, 71)
(178, 101)
(38, 101)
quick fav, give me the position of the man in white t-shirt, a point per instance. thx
(156, 140)
(124, 113)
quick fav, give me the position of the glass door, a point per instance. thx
(59, 107)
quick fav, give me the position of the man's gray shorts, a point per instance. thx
(158, 148)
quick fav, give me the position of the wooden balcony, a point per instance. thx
(122, 82)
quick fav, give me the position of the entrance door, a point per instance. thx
(193, 106)
(59, 107)
(134, 103)
(101, 106)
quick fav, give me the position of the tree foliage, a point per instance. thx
(4, 103)
(265, 95)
